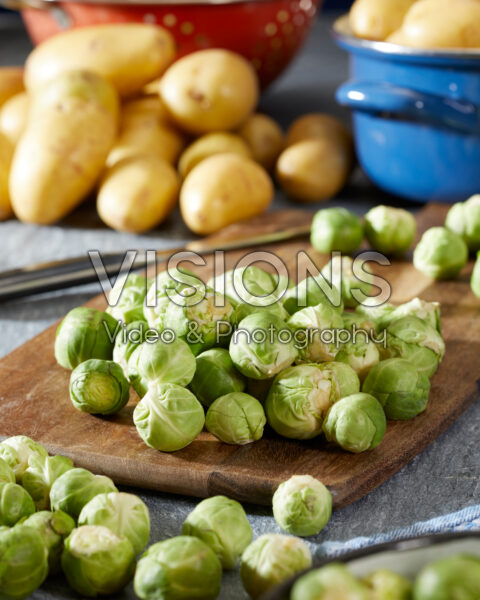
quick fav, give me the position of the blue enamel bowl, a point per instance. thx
(416, 117)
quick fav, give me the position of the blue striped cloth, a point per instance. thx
(467, 519)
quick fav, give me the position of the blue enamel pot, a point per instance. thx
(416, 116)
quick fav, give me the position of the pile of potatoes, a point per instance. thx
(106, 109)
(430, 24)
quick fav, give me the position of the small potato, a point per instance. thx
(128, 55)
(264, 137)
(138, 108)
(208, 145)
(377, 19)
(319, 125)
(224, 189)
(13, 117)
(11, 82)
(137, 193)
(210, 90)
(313, 170)
(5, 160)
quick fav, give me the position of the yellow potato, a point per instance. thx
(128, 55)
(5, 159)
(11, 82)
(208, 145)
(62, 152)
(224, 189)
(264, 137)
(13, 117)
(377, 19)
(138, 108)
(313, 170)
(210, 90)
(319, 125)
(138, 193)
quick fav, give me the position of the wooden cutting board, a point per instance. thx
(34, 401)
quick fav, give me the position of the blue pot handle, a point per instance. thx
(378, 97)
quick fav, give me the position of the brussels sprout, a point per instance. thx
(168, 417)
(262, 346)
(353, 289)
(310, 293)
(361, 354)
(223, 525)
(390, 230)
(299, 399)
(356, 423)
(129, 338)
(242, 310)
(54, 527)
(181, 568)
(236, 418)
(124, 514)
(160, 362)
(316, 333)
(302, 505)
(457, 576)
(463, 218)
(440, 254)
(343, 376)
(245, 285)
(23, 562)
(271, 559)
(378, 315)
(387, 585)
(6, 472)
(15, 503)
(426, 311)
(357, 321)
(72, 490)
(215, 376)
(99, 387)
(17, 451)
(475, 280)
(96, 561)
(332, 581)
(336, 229)
(84, 333)
(129, 306)
(415, 340)
(38, 479)
(399, 387)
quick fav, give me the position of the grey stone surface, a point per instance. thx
(444, 478)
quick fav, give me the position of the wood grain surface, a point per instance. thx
(34, 401)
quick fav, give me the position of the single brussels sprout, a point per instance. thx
(463, 218)
(223, 525)
(399, 387)
(457, 576)
(262, 346)
(299, 399)
(245, 285)
(168, 417)
(15, 503)
(440, 254)
(124, 514)
(17, 451)
(390, 230)
(475, 280)
(271, 559)
(387, 585)
(180, 568)
(302, 505)
(54, 527)
(356, 321)
(332, 581)
(243, 310)
(426, 311)
(23, 562)
(6, 472)
(38, 479)
(236, 418)
(316, 330)
(99, 387)
(72, 490)
(415, 340)
(215, 376)
(84, 333)
(310, 293)
(96, 561)
(259, 388)
(129, 306)
(160, 362)
(378, 315)
(361, 355)
(336, 229)
(354, 290)
(129, 338)
(356, 423)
